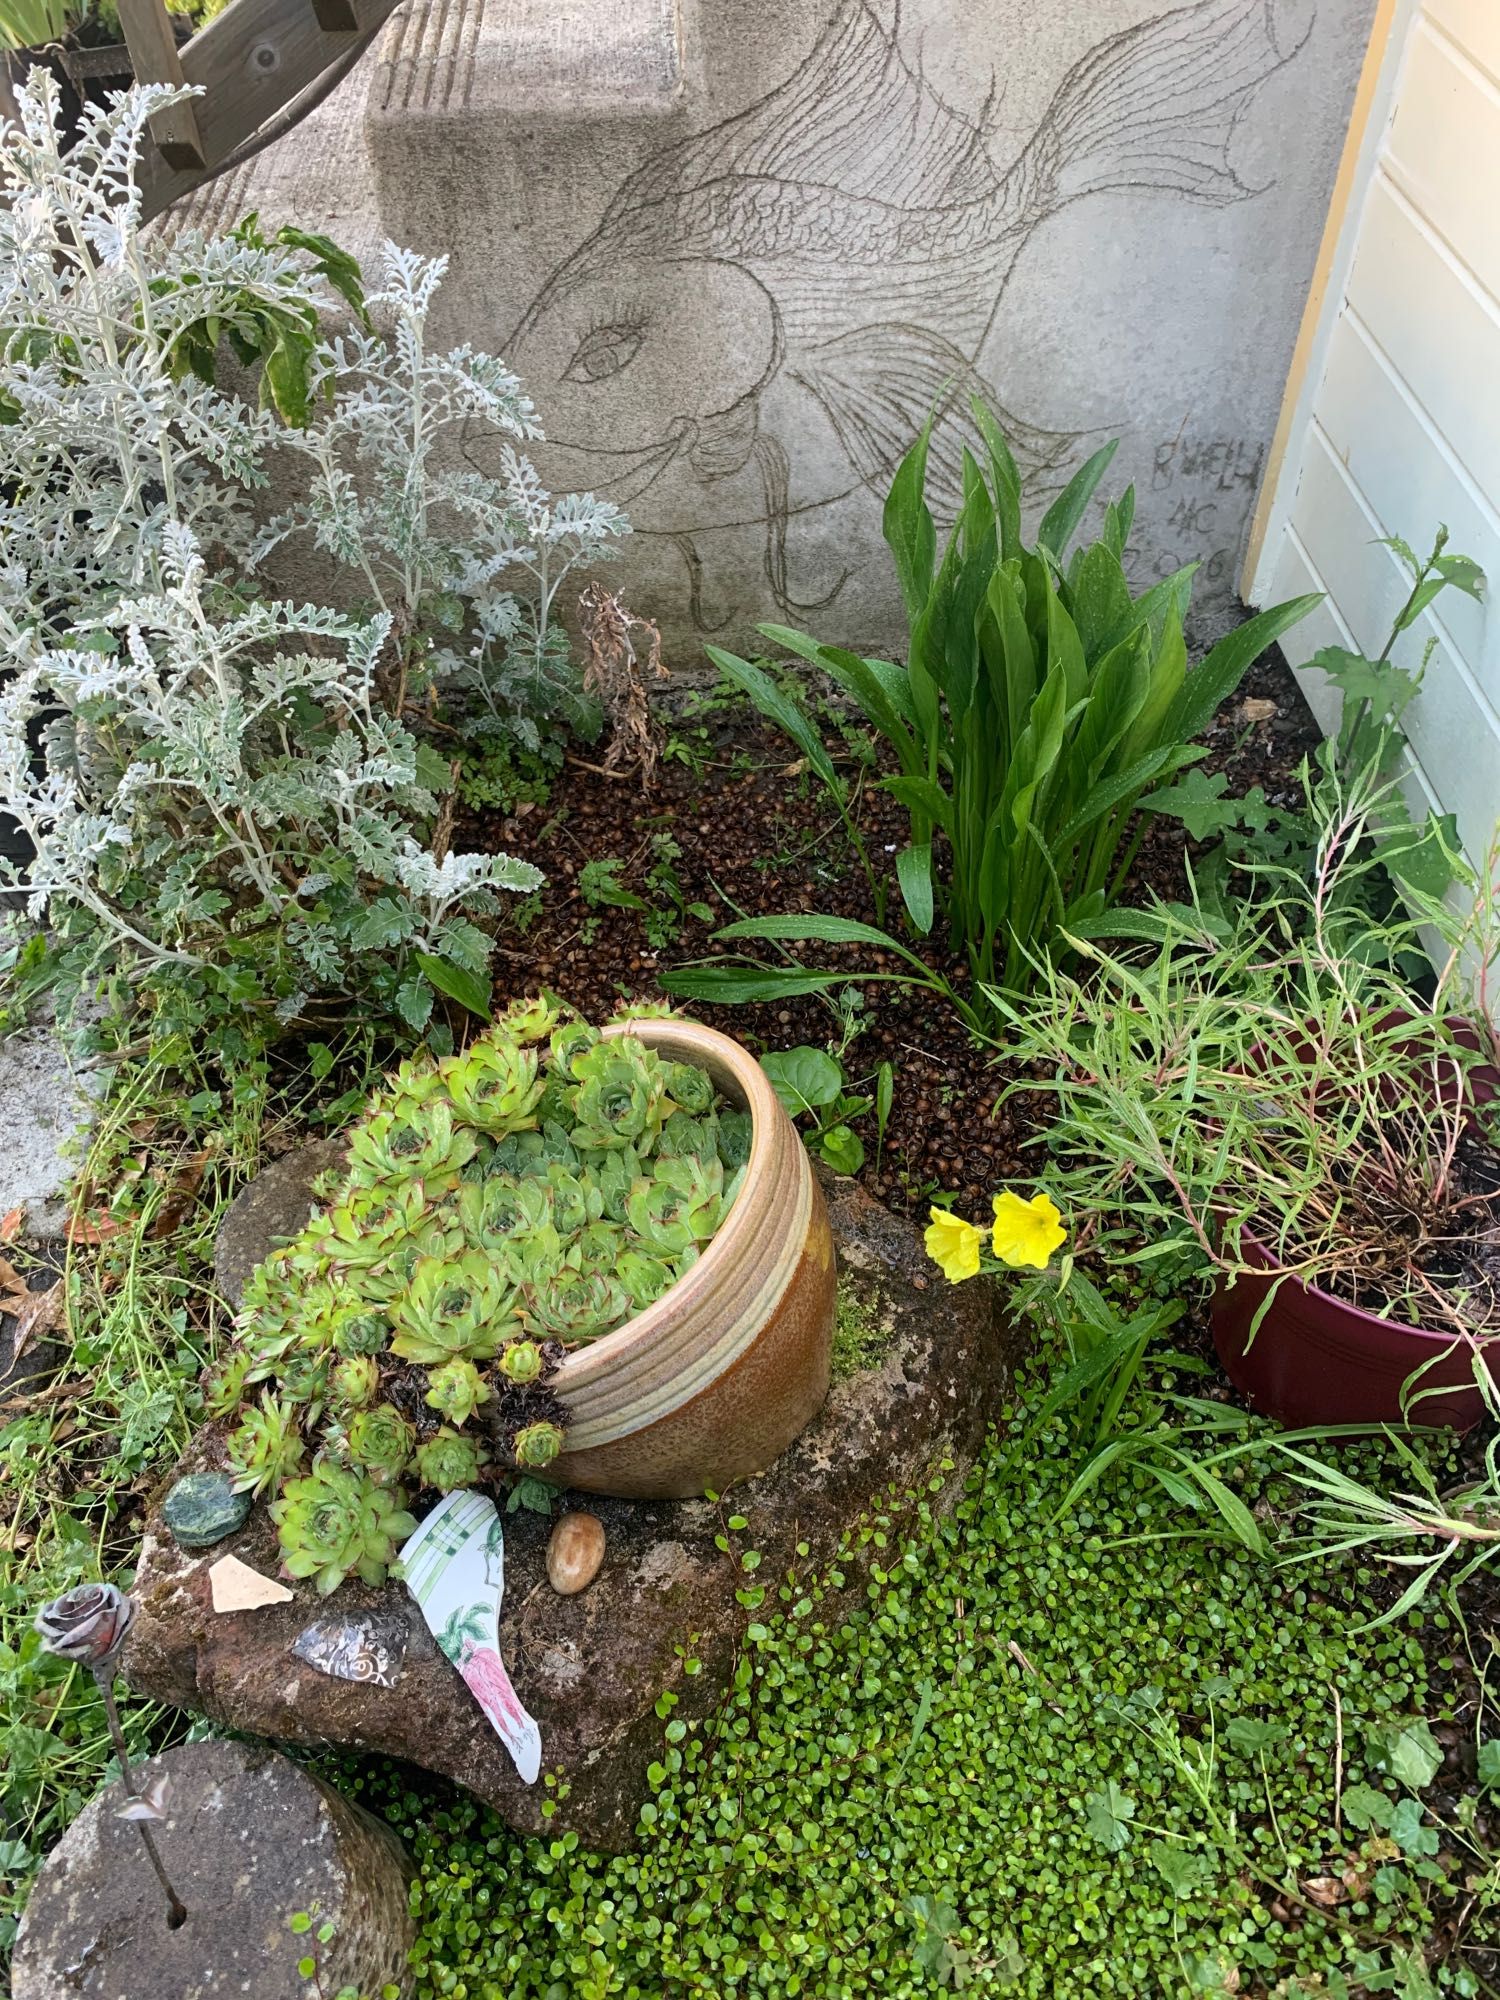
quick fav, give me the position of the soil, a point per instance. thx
(1431, 1260)
(749, 833)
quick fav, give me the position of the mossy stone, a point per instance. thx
(203, 1508)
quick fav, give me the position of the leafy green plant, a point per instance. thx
(812, 1087)
(1363, 751)
(665, 905)
(497, 1208)
(234, 807)
(1445, 1536)
(32, 24)
(1274, 1091)
(1040, 706)
(778, 1821)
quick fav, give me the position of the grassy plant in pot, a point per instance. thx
(597, 1258)
(1276, 1105)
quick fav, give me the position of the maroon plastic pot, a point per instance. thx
(1316, 1360)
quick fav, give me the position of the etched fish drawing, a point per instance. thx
(850, 236)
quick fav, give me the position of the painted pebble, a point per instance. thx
(574, 1553)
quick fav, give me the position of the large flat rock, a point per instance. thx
(49, 1108)
(590, 1668)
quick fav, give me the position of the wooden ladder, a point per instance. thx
(261, 65)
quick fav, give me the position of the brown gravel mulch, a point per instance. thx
(758, 836)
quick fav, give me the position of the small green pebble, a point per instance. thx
(203, 1508)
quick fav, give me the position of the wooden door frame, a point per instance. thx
(1369, 117)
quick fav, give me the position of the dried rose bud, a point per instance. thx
(87, 1625)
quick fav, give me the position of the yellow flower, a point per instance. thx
(1026, 1232)
(953, 1245)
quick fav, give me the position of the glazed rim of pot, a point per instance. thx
(663, 1356)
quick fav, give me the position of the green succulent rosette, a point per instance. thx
(458, 1309)
(494, 1087)
(380, 1441)
(266, 1448)
(690, 1089)
(620, 1095)
(355, 1382)
(574, 1306)
(336, 1521)
(448, 1462)
(456, 1390)
(413, 1142)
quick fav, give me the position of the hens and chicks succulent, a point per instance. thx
(499, 1207)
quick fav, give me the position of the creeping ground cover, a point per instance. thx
(1076, 1758)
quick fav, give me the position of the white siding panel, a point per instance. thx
(1453, 736)
(1440, 333)
(1447, 120)
(1411, 482)
(1474, 26)
(1400, 428)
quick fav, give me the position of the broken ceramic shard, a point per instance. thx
(454, 1567)
(354, 1649)
(237, 1587)
(203, 1508)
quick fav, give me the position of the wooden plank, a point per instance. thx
(1371, 94)
(346, 16)
(252, 61)
(154, 58)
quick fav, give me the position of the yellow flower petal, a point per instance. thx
(953, 1245)
(1026, 1232)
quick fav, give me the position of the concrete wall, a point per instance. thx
(738, 249)
(1397, 426)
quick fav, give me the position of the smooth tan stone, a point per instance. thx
(574, 1553)
(237, 1587)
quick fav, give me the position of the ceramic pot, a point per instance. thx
(1316, 1360)
(717, 1378)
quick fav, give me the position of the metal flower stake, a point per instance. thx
(88, 1626)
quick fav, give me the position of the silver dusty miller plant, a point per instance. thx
(436, 544)
(223, 792)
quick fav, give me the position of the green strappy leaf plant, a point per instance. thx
(1040, 703)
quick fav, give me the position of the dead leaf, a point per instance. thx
(11, 1224)
(80, 1230)
(36, 1318)
(183, 1193)
(1327, 1890)
(14, 1290)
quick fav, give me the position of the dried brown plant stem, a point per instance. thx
(617, 677)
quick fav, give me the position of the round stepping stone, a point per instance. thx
(204, 1508)
(247, 1838)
